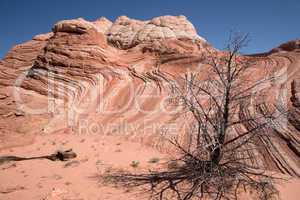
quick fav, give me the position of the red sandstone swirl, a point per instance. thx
(88, 75)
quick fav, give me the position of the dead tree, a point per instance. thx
(58, 156)
(220, 158)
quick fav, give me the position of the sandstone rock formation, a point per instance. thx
(122, 33)
(102, 24)
(126, 33)
(166, 27)
(85, 75)
(73, 26)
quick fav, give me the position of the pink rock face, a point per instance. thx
(43, 37)
(111, 78)
(102, 24)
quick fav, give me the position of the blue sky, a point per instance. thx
(269, 23)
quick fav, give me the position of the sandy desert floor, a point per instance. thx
(77, 179)
(74, 179)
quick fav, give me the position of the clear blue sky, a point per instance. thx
(269, 23)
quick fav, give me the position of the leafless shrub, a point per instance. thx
(219, 160)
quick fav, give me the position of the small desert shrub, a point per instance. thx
(154, 160)
(134, 164)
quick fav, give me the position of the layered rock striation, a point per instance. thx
(106, 77)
